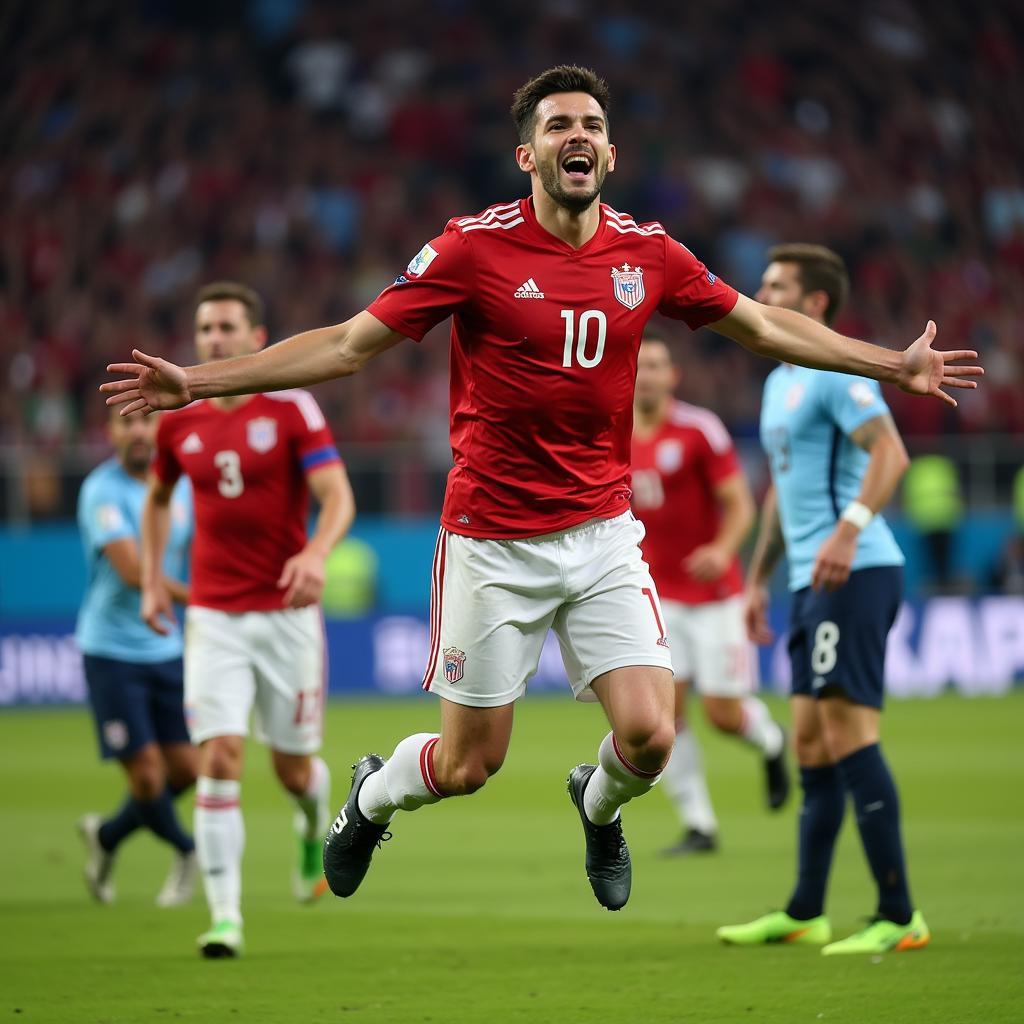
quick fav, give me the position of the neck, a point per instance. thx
(142, 475)
(646, 421)
(574, 227)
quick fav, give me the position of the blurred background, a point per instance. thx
(309, 149)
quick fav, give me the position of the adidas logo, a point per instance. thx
(528, 290)
(191, 444)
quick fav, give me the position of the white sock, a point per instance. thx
(760, 729)
(315, 803)
(614, 783)
(683, 780)
(220, 840)
(404, 783)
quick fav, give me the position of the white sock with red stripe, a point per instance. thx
(220, 840)
(614, 783)
(404, 783)
(759, 729)
(683, 780)
(315, 803)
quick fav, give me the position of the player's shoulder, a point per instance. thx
(626, 224)
(102, 479)
(684, 416)
(298, 402)
(500, 217)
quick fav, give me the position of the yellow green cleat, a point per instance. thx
(884, 936)
(777, 926)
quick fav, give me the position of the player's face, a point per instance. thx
(780, 286)
(223, 331)
(570, 150)
(133, 438)
(656, 377)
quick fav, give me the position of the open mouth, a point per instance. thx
(578, 165)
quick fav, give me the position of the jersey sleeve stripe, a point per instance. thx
(320, 457)
(306, 404)
(495, 224)
(647, 232)
(494, 213)
(706, 422)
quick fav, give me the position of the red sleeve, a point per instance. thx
(692, 293)
(314, 444)
(438, 280)
(165, 462)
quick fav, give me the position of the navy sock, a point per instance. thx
(120, 825)
(821, 817)
(876, 803)
(161, 819)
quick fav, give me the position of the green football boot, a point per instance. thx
(777, 926)
(882, 936)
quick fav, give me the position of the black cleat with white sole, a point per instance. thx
(608, 864)
(351, 840)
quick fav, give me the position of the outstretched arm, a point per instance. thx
(794, 338)
(309, 358)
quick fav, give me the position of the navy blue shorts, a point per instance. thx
(837, 639)
(135, 704)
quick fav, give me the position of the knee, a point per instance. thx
(221, 761)
(146, 775)
(467, 776)
(649, 745)
(810, 748)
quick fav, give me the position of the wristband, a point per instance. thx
(857, 513)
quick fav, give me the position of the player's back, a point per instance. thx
(807, 417)
(675, 470)
(543, 358)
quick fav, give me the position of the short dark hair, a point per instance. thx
(234, 291)
(820, 269)
(563, 78)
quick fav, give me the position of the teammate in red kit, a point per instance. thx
(548, 296)
(690, 493)
(253, 629)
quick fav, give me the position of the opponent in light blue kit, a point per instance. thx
(836, 458)
(134, 675)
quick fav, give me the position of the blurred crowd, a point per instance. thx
(309, 149)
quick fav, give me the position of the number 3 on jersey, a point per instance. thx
(230, 483)
(578, 336)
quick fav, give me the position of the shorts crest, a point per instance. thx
(454, 660)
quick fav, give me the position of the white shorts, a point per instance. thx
(711, 648)
(272, 662)
(492, 603)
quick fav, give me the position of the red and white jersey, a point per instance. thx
(675, 471)
(248, 467)
(543, 358)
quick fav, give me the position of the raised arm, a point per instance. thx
(794, 338)
(309, 358)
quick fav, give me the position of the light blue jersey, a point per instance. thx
(109, 508)
(807, 417)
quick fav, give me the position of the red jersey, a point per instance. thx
(248, 469)
(674, 475)
(543, 358)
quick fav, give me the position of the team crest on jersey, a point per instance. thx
(628, 285)
(261, 434)
(669, 455)
(454, 660)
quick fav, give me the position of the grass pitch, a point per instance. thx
(479, 909)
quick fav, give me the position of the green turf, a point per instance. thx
(479, 910)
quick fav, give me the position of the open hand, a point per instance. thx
(157, 610)
(153, 384)
(926, 371)
(755, 614)
(707, 563)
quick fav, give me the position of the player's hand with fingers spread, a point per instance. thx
(302, 579)
(755, 614)
(152, 384)
(835, 558)
(925, 371)
(157, 609)
(707, 562)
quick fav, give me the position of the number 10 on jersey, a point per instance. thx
(578, 336)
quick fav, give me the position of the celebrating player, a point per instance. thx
(134, 676)
(693, 500)
(836, 458)
(549, 296)
(254, 632)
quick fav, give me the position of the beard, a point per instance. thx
(138, 457)
(574, 202)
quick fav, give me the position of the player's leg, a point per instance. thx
(288, 654)
(181, 766)
(612, 635)
(683, 780)
(725, 676)
(219, 694)
(491, 605)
